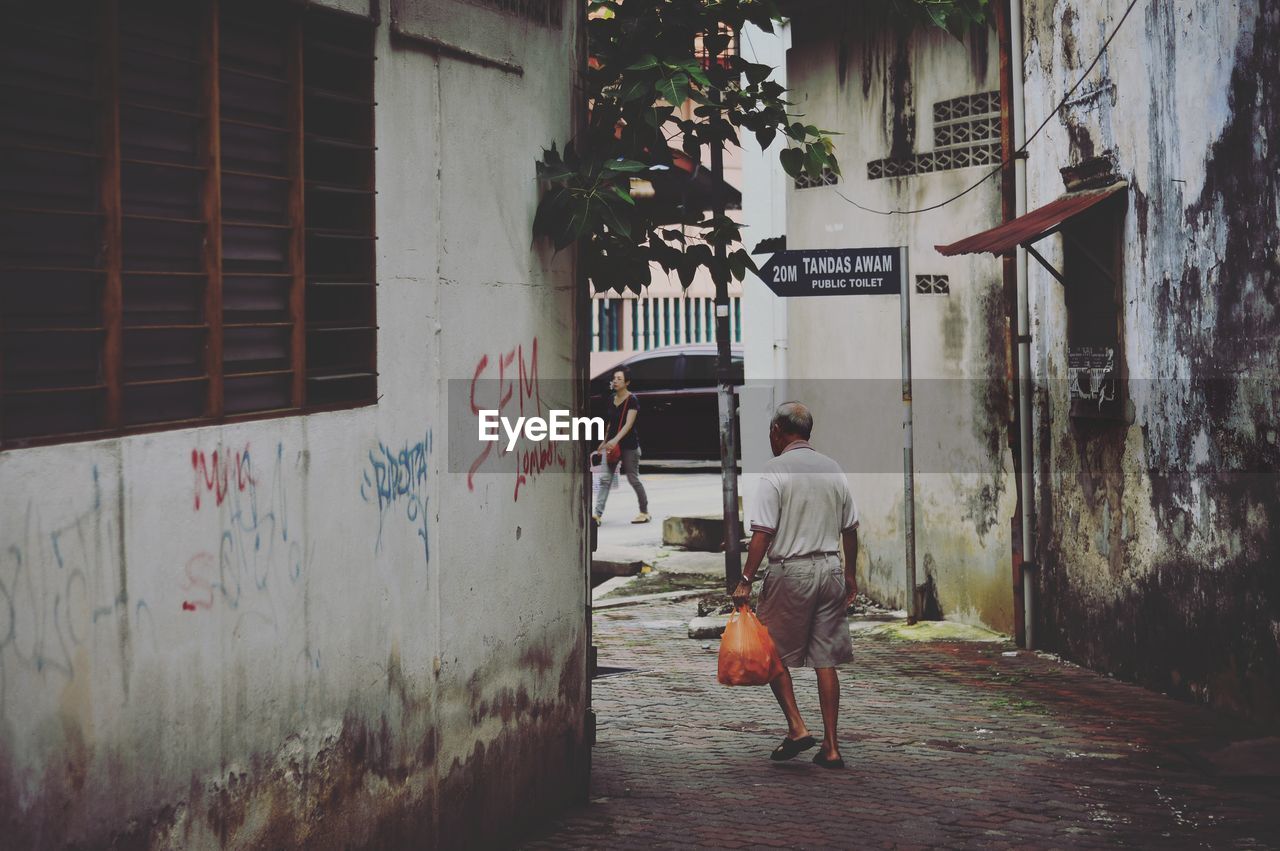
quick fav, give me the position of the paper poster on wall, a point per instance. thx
(488, 29)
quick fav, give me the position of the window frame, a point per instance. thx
(307, 28)
(1093, 272)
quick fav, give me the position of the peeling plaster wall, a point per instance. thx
(877, 87)
(1158, 540)
(315, 631)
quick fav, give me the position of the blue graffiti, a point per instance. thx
(60, 587)
(399, 476)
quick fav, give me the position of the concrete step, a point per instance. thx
(603, 568)
(700, 532)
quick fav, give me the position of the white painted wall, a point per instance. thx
(843, 355)
(312, 630)
(764, 315)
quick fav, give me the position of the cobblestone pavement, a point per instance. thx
(948, 744)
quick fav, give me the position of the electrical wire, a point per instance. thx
(1021, 150)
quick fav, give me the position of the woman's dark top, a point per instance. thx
(618, 418)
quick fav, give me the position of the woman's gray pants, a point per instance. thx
(630, 464)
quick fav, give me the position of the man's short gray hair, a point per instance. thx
(794, 418)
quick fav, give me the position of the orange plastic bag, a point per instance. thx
(747, 654)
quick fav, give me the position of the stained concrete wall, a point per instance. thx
(313, 631)
(1158, 539)
(876, 87)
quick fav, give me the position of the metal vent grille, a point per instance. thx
(935, 284)
(828, 178)
(966, 133)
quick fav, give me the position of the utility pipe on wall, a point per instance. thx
(1018, 116)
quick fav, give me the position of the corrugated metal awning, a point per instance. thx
(1032, 226)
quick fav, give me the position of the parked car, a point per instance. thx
(676, 386)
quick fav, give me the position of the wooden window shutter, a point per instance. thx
(52, 258)
(186, 215)
(341, 330)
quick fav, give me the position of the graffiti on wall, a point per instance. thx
(509, 384)
(261, 558)
(219, 472)
(61, 588)
(397, 478)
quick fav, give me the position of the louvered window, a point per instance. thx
(186, 215)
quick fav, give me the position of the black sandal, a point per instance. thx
(791, 747)
(819, 759)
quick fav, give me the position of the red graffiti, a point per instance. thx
(213, 473)
(518, 381)
(475, 409)
(199, 571)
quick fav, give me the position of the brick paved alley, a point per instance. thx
(948, 744)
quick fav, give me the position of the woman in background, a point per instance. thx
(621, 432)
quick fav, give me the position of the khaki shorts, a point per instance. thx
(802, 604)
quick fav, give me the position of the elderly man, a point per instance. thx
(803, 511)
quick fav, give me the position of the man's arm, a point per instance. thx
(755, 554)
(849, 537)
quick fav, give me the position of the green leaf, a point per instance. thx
(673, 89)
(757, 73)
(638, 90)
(646, 63)
(696, 74)
(614, 222)
(792, 160)
(716, 42)
(815, 159)
(658, 116)
(623, 166)
(687, 268)
(766, 135)
(624, 195)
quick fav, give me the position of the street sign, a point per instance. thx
(863, 271)
(834, 271)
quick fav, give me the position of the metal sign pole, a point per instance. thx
(908, 465)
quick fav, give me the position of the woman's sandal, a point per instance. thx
(819, 759)
(790, 747)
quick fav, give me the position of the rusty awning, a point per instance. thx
(1032, 226)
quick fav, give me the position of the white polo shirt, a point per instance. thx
(804, 502)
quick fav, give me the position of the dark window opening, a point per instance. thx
(1092, 263)
(186, 215)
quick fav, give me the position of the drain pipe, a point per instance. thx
(1018, 119)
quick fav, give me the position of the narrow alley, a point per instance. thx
(952, 744)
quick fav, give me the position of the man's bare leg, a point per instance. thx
(786, 695)
(829, 699)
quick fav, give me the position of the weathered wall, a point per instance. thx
(313, 631)
(877, 87)
(1158, 539)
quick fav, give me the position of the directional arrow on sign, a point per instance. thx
(834, 271)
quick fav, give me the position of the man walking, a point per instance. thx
(803, 511)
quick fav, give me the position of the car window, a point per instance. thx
(700, 370)
(654, 373)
